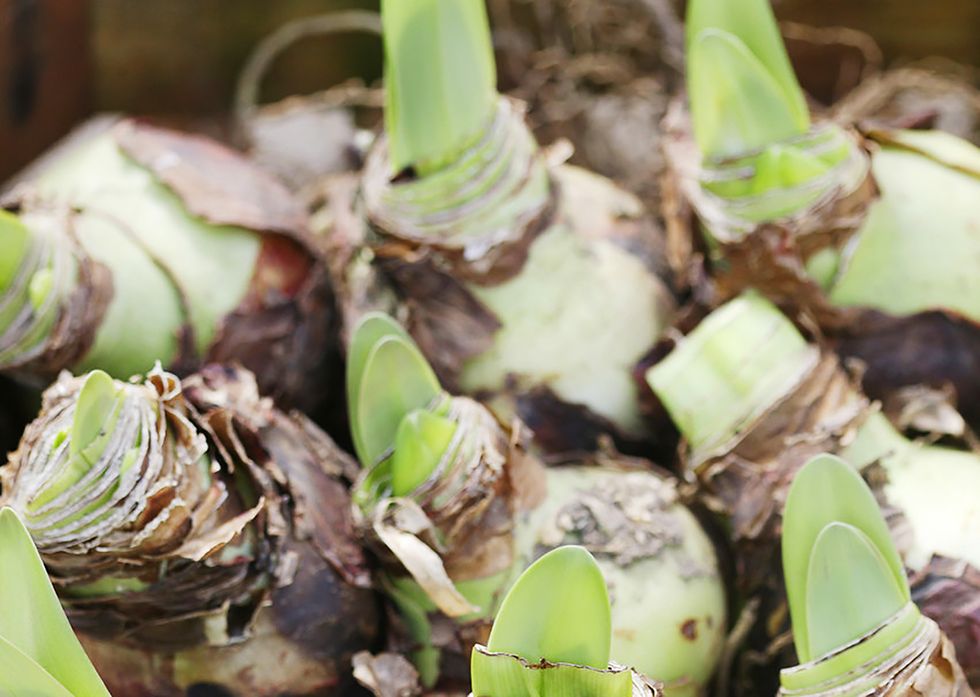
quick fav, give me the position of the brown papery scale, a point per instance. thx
(206, 545)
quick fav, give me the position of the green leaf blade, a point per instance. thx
(736, 105)
(372, 328)
(20, 676)
(557, 611)
(14, 242)
(752, 22)
(396, 379)
(421, 442)
(827, 490)
(850, 589)
(440, 78)
(34, 623)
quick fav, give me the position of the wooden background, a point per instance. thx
(63, 59)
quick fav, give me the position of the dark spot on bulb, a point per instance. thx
(689, 629)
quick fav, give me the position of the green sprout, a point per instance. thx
(832, 522)
(39, 653)
(395, 402)
(552, 634)
(849, 599)
(440, 79)
(744, 94)
(460, 174)
(744, 387)
(749, 115)
(437, 461)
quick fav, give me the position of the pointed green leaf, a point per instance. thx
(440, 79)
(372, 327)
(421, 442)
(395, 380)
(40, 287)
(96, 415)
(736, 106)
(753, 24)
(97, 401)
(850, 589)
(32, 620)
(14, 242)
(21, 676)
(558, 611)
(828, 490)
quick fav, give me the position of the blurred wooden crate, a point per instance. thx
(45, 75)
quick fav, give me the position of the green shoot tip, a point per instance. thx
(557, 611)
(832, 522)
(440, 79)
(387, 377)
(743, 92)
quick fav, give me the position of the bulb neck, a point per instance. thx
(863, 666)
(486, 202)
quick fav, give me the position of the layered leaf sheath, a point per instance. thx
(534, 284)
(552, 636)
(755, 401)
(869, 235)
(455, 507)
(130, 244)
(856, 629)
(199, 538)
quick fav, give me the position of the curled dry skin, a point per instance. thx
(475, 258)
(208, 544)
(108, 266)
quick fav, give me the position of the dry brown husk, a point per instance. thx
(948, 590)
(261, 593)
(747, 478)
(284, 327)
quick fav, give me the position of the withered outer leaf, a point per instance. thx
(387, 674)
(384, 261)
(948, 590)
(284, 327)
(927, 667)
(250, 579)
